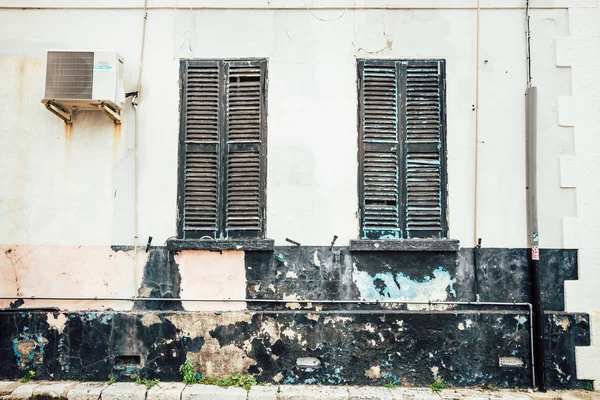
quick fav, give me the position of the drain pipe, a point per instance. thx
(531, 96)
(476, 254)
(532, 227)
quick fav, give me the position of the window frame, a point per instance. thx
(401, 81)
(223, 150)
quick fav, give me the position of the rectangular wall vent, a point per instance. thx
(510, 362)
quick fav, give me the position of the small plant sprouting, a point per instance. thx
(237, 380)
(490, 387)
(438, 384)
(390, 385)
(111, 379)
(149, 383)
(187, 372)
(28, 376)
(590, 387)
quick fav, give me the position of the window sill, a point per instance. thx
(405, 245)
(219, 245)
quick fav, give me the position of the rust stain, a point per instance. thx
(68, 137)
(22, 77)
(116, 141)
(68, 140)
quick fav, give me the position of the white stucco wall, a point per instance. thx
(71, 187)
(579, 49)
(78, 187)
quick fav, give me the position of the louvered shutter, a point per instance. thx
(246, 128)
(424, 188)
(199, 151)
(379, 150)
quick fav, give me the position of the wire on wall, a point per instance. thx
(321, 19)
(527, 19)
(476, 162)
(135, 101)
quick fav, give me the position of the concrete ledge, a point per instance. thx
(53, 390)
(197, 392)
(264, 393)
(218, 245)
(87, 391)
(303, 392)
(180, 391)
(166, 391)
(124, 391)
(405, 245)
(370, 393)
(23, 392)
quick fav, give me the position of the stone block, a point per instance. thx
(124, 391)
(460, 394)
(304, 392)
(415, 393)
(86, 391)
(7, 387)
(370, 393)
(263, 393)
(208, 392)
(23, 392)
(53, 390)
(166, 391)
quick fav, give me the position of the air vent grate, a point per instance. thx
(69, 75)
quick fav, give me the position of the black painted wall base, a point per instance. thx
(464, 348)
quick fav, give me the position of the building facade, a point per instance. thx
(311, 180)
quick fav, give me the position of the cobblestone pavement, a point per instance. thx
(179, 391)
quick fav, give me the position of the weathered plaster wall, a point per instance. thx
(69, 271)
(291, 273)
(98, 271)
(372, 348)
(77, 186)
(580, 50)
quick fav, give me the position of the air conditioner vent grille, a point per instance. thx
(69, 75)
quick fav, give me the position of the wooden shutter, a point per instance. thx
(379, 150)
(199, 210)
(423, 121)
(246, 158)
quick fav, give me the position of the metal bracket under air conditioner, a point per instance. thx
(60, 112)
(113, 113)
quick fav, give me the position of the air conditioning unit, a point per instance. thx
(84, 80)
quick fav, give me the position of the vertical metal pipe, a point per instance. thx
(476, 251)
(533, 237)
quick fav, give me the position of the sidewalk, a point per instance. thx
(180, 391)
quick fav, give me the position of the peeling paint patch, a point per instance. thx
(291, 275)
(150, 319)
(212, 359)
(520, 319)
(389, 286)
(373, 372)
(316, 258)
(57, 322)
(277, 378)
(562, 322)
(29, 348)
(334, 320)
